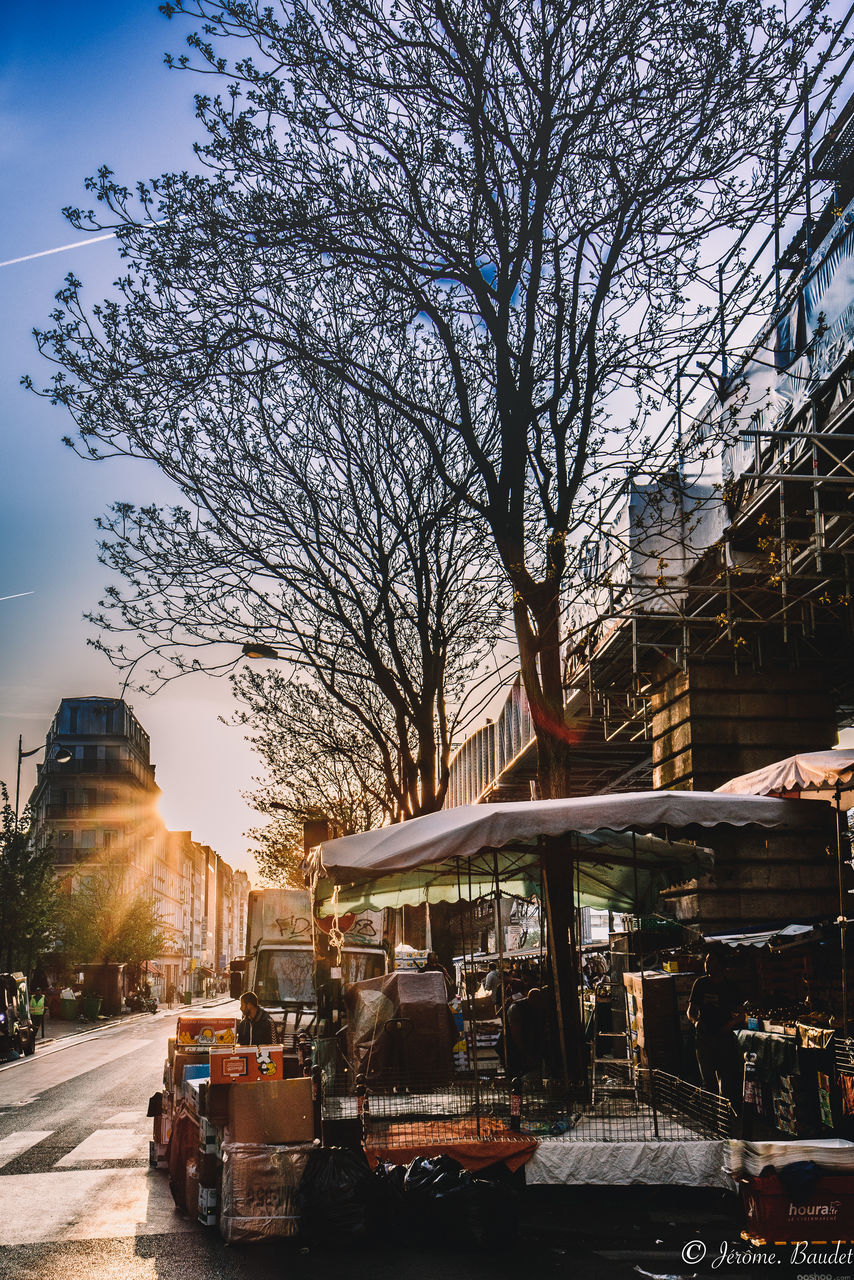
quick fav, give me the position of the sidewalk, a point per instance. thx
(57, 1029)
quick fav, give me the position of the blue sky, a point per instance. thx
(83, 84)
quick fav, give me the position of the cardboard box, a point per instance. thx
(252, 1062)
(259, 1189)
(157, 1158)
(191, 1188)
(183, 1060)
(163, 1129)
(206, 1032)
(207, 1206)
(275, 1112)
(213, 1103)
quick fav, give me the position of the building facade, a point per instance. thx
(99, 810)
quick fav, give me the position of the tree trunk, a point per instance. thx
(557, 867)
(537, 625)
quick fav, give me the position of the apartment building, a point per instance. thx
(100, 808)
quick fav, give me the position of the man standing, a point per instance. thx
(37, 1012)
(714, 1009)
(256, 1025)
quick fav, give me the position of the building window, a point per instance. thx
(72, 719)
(87, 839)
(65, 841)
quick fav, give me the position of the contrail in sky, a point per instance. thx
(78, 244)
(18, 594)
(60, 248)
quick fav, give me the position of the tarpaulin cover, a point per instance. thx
(812, 775)
(466, 830)
(829, 291)
(788, 934)
(417, 1046)
(259, 1190)
(557, 1162)
(459, 1139)
(434, 857)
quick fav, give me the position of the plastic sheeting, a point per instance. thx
(811, 775)
(557, 1162)
(259, 1190)
(835, 1155)
(399, 1028)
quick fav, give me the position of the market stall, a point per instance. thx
(615, 851)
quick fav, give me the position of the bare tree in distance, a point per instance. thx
(525, 195)
(320, 763)
(315, 522)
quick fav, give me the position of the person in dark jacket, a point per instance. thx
(256, 1025)
(715, 1010)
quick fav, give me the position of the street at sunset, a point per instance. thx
(427, 611)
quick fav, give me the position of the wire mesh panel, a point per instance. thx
(665, 1109)
(844, 1053)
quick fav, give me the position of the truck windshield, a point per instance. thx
(285, 977)
(356, 965)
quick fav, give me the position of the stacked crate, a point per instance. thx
(654, 1020)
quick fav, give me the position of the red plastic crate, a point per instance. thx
(827, 1215)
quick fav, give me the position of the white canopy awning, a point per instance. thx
(812, 775)
(465, 831)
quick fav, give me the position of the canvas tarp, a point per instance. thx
(613, 871)
(811, 775)
(452, 853)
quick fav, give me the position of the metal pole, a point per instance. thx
(18, 778)
(776, 222)
(843, 922)
(807, 177)
(722, 332)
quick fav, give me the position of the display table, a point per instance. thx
(564, 1161)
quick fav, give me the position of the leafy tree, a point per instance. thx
(104, 920)
(523, 200)
(28, 892)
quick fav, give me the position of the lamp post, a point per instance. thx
(62, 755)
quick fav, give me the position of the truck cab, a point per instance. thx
(291, 961)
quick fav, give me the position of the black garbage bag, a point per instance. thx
(799, 1180)
(448, 1204)
(397, 1213)
(432, 1177)
(338, 1198)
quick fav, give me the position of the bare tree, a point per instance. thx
(315, 522)
(526, 194)
(320, 763)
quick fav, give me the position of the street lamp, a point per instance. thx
(62, 755)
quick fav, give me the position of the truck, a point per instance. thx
(290, 960)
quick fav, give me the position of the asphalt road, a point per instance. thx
(79, 1202)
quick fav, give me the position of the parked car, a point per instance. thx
(17, 1034)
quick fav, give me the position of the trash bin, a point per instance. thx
(187, 997)
(69, 1009)
(91, 1007)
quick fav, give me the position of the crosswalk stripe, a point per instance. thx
(87, 1204)
(129, 1117)
(106, 1144)
(15, 1144)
